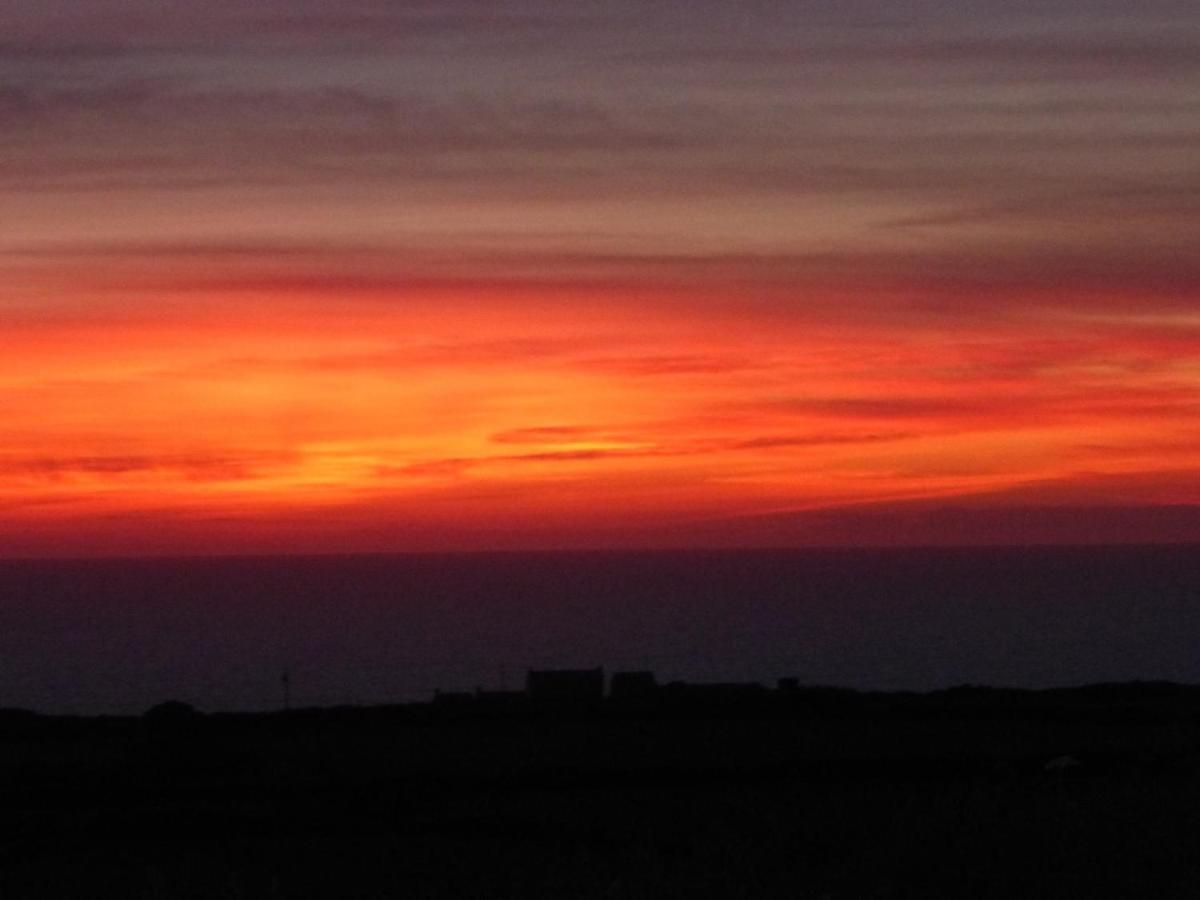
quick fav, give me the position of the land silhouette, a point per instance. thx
(588, 785)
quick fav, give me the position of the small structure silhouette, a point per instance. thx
(565, 685)
(627, 686)
(1060, 765)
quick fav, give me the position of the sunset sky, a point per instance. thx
(308, 275)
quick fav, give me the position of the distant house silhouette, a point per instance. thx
(627, 686)
(565, 685)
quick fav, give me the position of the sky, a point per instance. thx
(349, 276)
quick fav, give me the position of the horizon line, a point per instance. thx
(605, 551)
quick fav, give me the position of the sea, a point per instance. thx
(116, 636)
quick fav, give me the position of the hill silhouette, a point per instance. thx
(671, 790)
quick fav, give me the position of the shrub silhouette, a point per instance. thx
(171, 712)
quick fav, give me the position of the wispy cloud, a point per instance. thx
(191, 467)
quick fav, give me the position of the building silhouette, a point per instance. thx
(565, 685)
(627, 686)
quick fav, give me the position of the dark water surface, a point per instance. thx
(120, 635)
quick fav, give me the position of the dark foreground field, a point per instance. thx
(967, 793)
